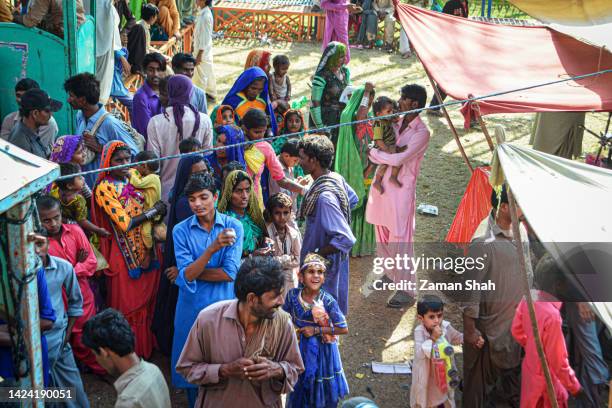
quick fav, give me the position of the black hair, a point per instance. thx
(278, 200)
(189, 144)
(181, 58)
(280, 60)
(293, 113)
(110, 330)
(381, 102)
(154, 57)
(226, 108)
(242, 176)
(84, 85)
(291, 147)
(148, 11)
(26, 84)
(259, 274)
(66, 169)
(254, 118)
(231, 166)
(415, 93)
(122, 148)
(148, 155)
(198, 182)
(319, 147)
(46, 203)
(503, 197)
(429, 303)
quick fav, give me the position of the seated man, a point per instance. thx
(169, 18)
(385, 11)
(49, 16)
(46, 133)
(139, 38)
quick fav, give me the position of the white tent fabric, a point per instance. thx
(568, 205)
(598, 35)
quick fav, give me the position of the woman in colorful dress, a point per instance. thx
(353, 164)
(167, 295)
(250, 91)
(330, 79)
(132, 279)
(239, 201)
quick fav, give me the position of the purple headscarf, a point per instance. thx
(64, 148)
(179, 96)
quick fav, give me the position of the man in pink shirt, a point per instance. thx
(68, 241)
(533, 383)
(393, 212)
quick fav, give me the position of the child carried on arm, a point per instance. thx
(384, 139)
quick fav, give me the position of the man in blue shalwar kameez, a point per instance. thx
(327, 209)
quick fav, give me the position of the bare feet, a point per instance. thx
(378, 186)
(395, 181)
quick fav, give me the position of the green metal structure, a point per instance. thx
(47, 58)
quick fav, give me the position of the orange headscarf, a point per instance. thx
(258, 58)
(219, 114)
(107, 153)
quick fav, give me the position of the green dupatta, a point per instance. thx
(348, 161)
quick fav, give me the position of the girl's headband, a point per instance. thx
(313, 263)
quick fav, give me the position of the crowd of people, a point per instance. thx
(233, 259)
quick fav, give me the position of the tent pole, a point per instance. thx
(483, 125)
(534, 324)
(448, 119)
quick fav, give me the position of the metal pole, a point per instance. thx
(534, 323)
(22, 262)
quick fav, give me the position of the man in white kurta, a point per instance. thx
(204, 76)
(108, 40)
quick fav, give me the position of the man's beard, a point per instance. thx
(262, 313)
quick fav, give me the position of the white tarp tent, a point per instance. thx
(569, 206)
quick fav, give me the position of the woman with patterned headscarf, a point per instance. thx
(330, 79)
(259, 58)
(178, 121)
(132, 278)
(239, 201)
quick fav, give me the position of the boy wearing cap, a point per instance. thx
(35, 110)
(47, 133)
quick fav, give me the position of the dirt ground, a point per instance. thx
(378, 333)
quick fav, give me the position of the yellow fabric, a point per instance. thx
(151, 188)
(121, 213)
(584, 12)
(6, 16)
(149, 185)
(246, 105)
(255, 160)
